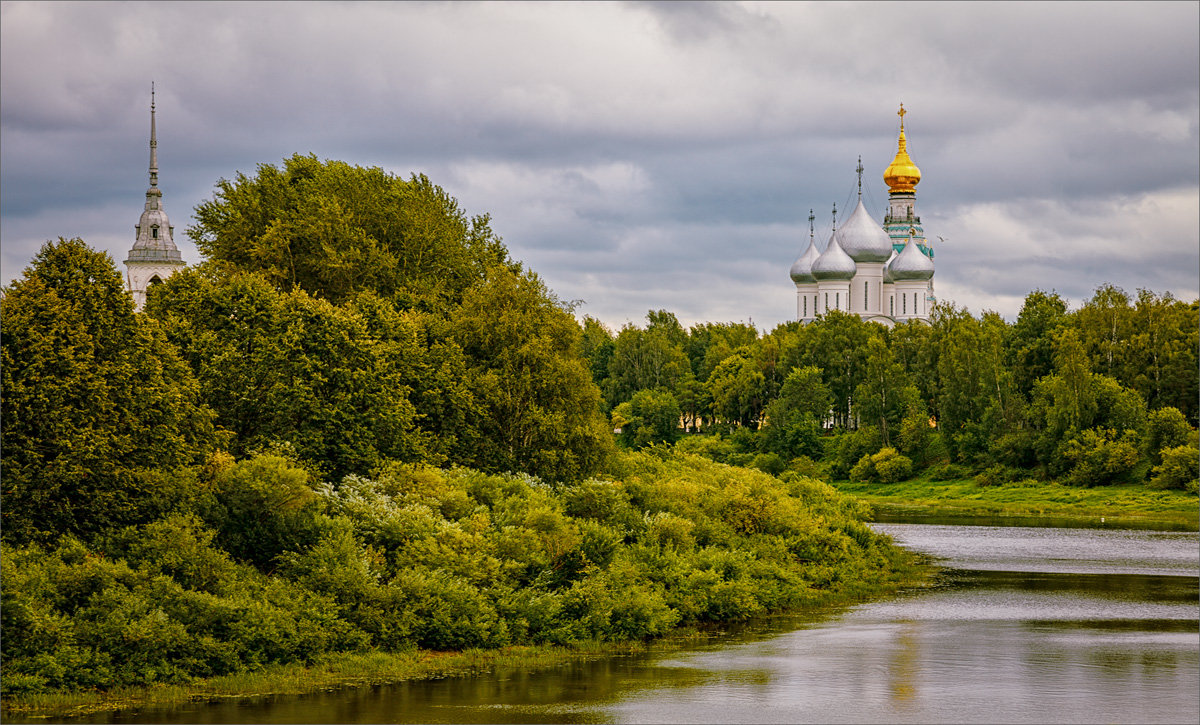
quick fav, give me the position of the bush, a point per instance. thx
(770, 463)
(1167, 428)
(948, 472)
(886, 466)
(1180, 469)
(1098, 457)
(997, 475)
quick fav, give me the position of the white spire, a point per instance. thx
(153, 142)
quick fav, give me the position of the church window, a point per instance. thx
(866, 296)
(837, 300)
(805, 307)
(155, 280)
(914, 303)
(904, 305)
(892, 306)
(154, 232)
(827, 302)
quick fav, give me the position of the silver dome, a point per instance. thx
(911, 264)
(834, 263)
(802, 267)
(887, 268)
(863, 239)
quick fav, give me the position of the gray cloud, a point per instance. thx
(640, 155)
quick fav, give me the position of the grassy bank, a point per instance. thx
(1132, 504)
(339, 671)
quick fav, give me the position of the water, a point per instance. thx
(1026, 625)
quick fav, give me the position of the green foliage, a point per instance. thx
(1100, 456)
(286, 367)
(94, 399)
(262, 508)
(844, 450)
(649, 417)
(333, 229)
(886, 466)
(1180, 468)
(1166, 428)
(738, 389)
(538, 409)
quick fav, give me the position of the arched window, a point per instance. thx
(915, 303)
(892, 306)
(805, 306)
(866, 295)
(904, 305)
(154, 232)
(155, 280)
(837, 300)
(827, 302)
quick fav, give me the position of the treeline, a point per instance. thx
(1104, 394)
(357, 426)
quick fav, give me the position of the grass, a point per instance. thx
(1132, 504)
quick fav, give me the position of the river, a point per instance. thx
(1024, 625)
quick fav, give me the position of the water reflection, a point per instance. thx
(1025, 625)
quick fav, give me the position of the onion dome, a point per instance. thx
(902, 174)
(910, 264)
(834, 263)
(802, 267)
(863, 239)
(887, 268)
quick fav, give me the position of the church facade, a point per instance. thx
(881, 272)
(154, 256)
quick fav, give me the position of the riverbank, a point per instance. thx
(1132, 505)
(342, 671)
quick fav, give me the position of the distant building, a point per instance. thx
(154, 256)
(882, 273)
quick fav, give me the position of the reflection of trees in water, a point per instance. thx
(904, 667)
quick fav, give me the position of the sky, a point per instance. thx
(640, 156)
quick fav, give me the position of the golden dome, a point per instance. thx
(902, 174)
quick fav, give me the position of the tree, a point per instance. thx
(650, 359)
(94, 399)
(288, 367)
(649, 417)
(1030, 348)
(836, 343)
(539, 410)
(737, 388)
(794, 419)
(1103, 325)
(333, 229)
(885, 393)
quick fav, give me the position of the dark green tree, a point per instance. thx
(650, 417)
(95, 399)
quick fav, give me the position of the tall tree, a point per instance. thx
(332, 229)
(885, 393)
(94, 399)
(539, 409)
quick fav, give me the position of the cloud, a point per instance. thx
(640, 155)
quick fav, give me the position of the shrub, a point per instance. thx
(887, 466)
(1179, 469)
(1167, 428)
(1099, 457)
(948, 472)
(891, 466)
(770, 463)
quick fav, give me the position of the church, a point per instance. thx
(154, 256)
(882, 273)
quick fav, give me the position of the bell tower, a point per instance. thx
(154, 256)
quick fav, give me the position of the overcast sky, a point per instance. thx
(640, 155)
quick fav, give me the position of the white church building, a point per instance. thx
(882, 273)
(154, 256)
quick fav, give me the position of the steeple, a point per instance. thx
(153, 142)
(154, 256)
